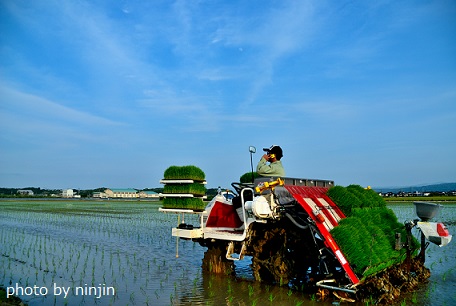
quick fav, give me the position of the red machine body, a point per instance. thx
(326, 215)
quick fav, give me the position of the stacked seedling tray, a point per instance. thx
(367, 235)
(184, 188)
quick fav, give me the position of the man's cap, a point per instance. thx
(274, 149)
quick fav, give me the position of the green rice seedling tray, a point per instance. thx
(184, 172)
(184, 188)
(192, 188)
(196, 204)
(367, 235)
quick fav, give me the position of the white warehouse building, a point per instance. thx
(67, 193)
(121, 193)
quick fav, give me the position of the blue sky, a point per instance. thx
(111, 93)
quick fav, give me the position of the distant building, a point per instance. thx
(149, 195)
(127, 193)
(25, 192)
(67, 193)
(100, 195)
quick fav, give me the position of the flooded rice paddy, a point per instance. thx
(122, 253)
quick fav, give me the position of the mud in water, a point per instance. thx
(388, 286)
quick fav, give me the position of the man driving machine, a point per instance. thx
(272, 156)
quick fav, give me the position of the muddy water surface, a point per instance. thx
(122, 253)
(441, 287)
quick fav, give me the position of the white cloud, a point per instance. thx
(19, 102)
(37, 122)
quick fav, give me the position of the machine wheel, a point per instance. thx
(271, 262)
(284, 254)
(214, 260)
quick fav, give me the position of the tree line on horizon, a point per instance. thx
(435, 189)
(84, 193)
